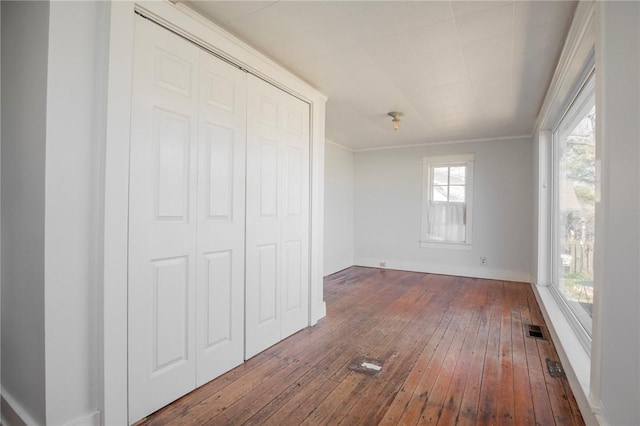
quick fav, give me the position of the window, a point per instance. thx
(574, 192)
(446, 201)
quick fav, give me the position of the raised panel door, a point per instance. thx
(221, 219)
(277, 240)
(162, 220)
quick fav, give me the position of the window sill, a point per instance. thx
(444, 245)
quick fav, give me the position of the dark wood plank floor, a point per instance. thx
(453, 351)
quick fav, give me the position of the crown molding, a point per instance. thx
(417, 145)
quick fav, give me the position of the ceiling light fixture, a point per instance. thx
(396, 118)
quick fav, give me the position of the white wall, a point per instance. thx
(616, 340)
(338, 208)
(77, 51)
(52, 153)
(388, 199)
(24, 83)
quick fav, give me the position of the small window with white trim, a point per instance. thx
(446, 201)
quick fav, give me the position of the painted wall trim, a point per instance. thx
(580, 37)
(93, 419)
(430, 268)
(13, 414)
(574, 359)
(346, 148)
(501, 138)
(338, 268)
(112, 372)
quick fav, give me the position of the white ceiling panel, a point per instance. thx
(434, 37)
(458, 69)
(461, 8)
(488, 57)
(226, 12)
(416, 14)
(486, 24)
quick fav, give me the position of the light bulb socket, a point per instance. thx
(396, 118)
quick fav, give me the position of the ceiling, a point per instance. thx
(459, 70)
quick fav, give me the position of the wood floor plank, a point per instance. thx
(381, 392)
(429, 386)
(523, 401)
(453, 351)
(437, 399)
(538, 387)
(487, 404)
(468, 412)
(451, 410)
(506, 395)
(302, 404)
(560, 401)
(404, 397)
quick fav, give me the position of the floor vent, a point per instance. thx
(555, 368)
(364, 365)
(534, 331)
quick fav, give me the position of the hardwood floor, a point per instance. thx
(453, 351)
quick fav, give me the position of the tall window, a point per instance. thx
(574, 207)
(446, 205)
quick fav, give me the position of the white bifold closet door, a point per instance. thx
(186, 219)
(277, 240)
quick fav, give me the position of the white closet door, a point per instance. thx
(277, 240)
(162, 219)
(221, 183)
(186, 236)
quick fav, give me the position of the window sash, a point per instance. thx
(574, 311)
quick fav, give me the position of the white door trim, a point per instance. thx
(113, 295)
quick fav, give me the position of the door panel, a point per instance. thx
(268, 279)
(171, 151)
(221, 194)
(268, 166)
(277, 241)
(218, 149)
(295, 218)
(293, 276)
(186, 233)
(170, 317)
(219, 299)
(162, 220)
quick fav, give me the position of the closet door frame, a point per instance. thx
(116, 88)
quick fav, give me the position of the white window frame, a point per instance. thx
(428, 163)
(585, 93)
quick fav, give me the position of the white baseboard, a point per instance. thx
(456, 270)
(92, 419)
(575, 360)
(319, 312)
(332, 269)
(13, 414)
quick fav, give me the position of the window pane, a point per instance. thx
(576, 215)
(458, 175)
(440, 175)
(439, 193)
(456, 194)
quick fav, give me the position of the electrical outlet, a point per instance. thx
(483, 260)
(383, 264)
